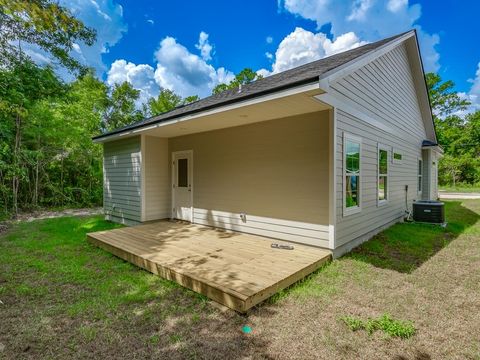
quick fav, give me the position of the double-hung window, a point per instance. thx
(382, 191)
(352, 164)
(420, 175)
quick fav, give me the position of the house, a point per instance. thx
(326, 154)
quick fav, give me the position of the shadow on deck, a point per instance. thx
(235, 269)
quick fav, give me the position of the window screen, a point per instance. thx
(352, 173)
(382, 174)
(182, 175)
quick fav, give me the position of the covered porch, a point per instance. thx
(263, 167)
(234, 269)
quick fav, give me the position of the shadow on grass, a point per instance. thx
(404, 247)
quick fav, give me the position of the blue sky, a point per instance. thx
(190, 46)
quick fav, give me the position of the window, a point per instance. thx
(420, 175)
(382, 174)
(182, 178)
(352, 146)
(396, 157)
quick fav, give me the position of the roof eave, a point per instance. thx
(294, 88)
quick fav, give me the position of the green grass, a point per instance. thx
(462, 188)
(404, 247)
(50, 260)
(385, 323)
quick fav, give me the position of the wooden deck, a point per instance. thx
(234, 269)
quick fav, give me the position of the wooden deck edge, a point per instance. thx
(184, 280)
(286, 282)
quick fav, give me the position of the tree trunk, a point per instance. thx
(35, 188)
(61, 180)
(16, 163)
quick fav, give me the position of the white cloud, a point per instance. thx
(204, 46)
(184, 72)
(150, 21)
(269, 55)
(396, 5)
(106, 17)
(303, 46)
(473, 95)
(264, 72)
(370, 20)
(269, 39)
(141, 77)
(176, 69)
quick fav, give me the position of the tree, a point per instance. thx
(167, 100)
(245, 76)
(45, 24)
(122, 109)
(20, 88)
(443, 97)
(458, 134)
(191, 99)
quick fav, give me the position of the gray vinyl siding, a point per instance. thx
(122, 180)
(384, 91)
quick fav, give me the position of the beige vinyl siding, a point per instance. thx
(276, 172)
(122, 180)
(384, 91)
(157, 197)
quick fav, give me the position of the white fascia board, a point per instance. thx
(236, 105)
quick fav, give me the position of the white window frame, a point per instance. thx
(353, 209)
(387, 195)
(396, 161)
(419, 176)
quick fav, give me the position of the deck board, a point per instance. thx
(235, 269)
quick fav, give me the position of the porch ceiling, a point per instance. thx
(296, 104)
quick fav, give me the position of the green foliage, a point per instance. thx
(385, 323)
(245, 76)
(45, 24)
(167, 100)
(458, 134)
(443, 97)
(122, 110)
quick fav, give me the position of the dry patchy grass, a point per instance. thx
(63, 298)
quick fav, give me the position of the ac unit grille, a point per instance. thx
(429, 212)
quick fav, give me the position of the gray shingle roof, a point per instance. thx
(301, 75)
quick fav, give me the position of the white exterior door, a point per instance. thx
(182, 166)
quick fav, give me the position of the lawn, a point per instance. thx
(63, 298)
(463, 188)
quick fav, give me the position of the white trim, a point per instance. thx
(354, 209)
(332, 215)
(419, 192)
(353, 109)
(142, 179)
(172, 184)
(387, 193)
(239, 104)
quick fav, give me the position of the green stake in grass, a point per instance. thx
(247, 329)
